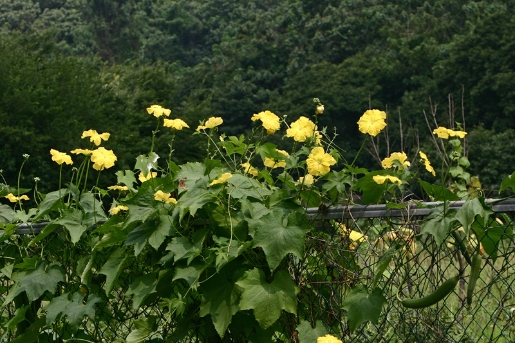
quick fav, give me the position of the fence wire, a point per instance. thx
(335, 261)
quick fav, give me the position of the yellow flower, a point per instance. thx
(319, 109)
(164, 197)
(272, 163)
(221, 179)
(301, 129)
(12, 198)
(211, 123)
(118, 188)
(158, 111)
(143, 178)
(372, 122)
(395, 156)
(319, 162)
(81, 151)
(103, 158)
(247, 168)
(269, 120)
(306, 180)
(117, 209)
(177, 124)
(380, 179)
(95, 137)
(328, 339)
(445, 133)
(427, 164)
(60, 157)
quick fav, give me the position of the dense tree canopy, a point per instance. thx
(72, 65)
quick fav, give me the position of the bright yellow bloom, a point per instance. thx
(301, 129)
(12, 198)
(103, 158)
(221, 179)
(165, 197)
(118, 188)
(306, 180)
(328, 339)
(158, 111)
(60, 157)
(211, 123)
(319, 109)
(86, 152)
(177, 124)
(427, 164)
(444, 133)
(380, 179)
(247, 168)
(396, 156)
(117, 209)
(272, 163)
(143, 178)
(319, 162)
(372, 122)
(269, 121)
(95, 137)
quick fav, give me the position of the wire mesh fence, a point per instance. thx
(346, 249)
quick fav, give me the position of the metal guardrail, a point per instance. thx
(349, 212)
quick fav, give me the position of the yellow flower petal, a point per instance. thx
(60, 157)
(301, 129)
(372, 122)
(176, 124)
(427, 164)
(269, 120)
(396, 156)
(143, 178)
(319, 162)
(103, 158)
(117, 209)
(158, 111)
(380, 179)
(221, 179)
(95, 137)
(211, 123)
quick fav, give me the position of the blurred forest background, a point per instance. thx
(71, 65)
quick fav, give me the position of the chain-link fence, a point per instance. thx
(347, 249)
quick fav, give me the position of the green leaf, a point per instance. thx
(44, 233)
(141, 288)
(245, 186)
(372, 191)
(51, 202)
(190, 173)
(146, 163)
(362, 307)
(190, 273)
(220, 300)
(31, 335)
(113, 267)
(139, 236)
(466, 215)
(508, 182)
(439, 226)
(144, 327)
(280, 234)
(438, 193)
(73, 309)
(311, 198)
(181, 248)
(6, 214)
(268, 300)
(71, 219)
(307, 334)
(193, 200)
(36, 282)
(126, 177)
(19, 316)
(490, 235)
(383, 263)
